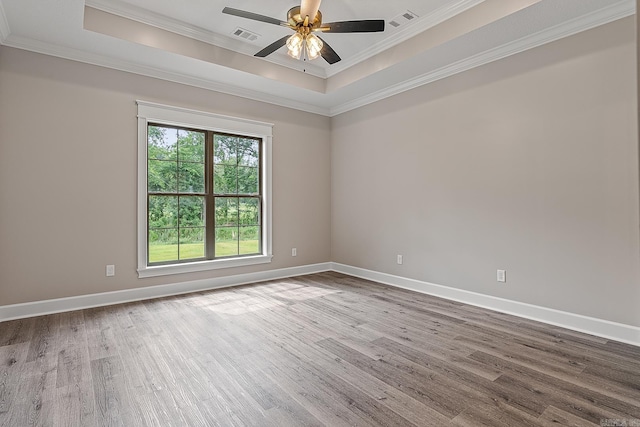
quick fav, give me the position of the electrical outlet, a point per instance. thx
(294, 252)
(111, 270)
(502, 276)
(399, 259)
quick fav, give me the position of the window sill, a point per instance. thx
(192, 267)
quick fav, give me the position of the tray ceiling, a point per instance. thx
(193, 42)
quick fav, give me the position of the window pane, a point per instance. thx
(225, 179)
(191, 212)
(163, 212)
(225, 150)
(226, 241)
(249, 211)
(249, 240)
(163, 245)
(203, 190)
(248, 152)
(226, 211)
(247, 180)
(162, 176)
(191, 177)
(161, 143)
(190, 146)
(191, 243)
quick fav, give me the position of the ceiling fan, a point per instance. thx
(306, 20)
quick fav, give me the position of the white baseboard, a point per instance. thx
(590, 325)
(39, 308)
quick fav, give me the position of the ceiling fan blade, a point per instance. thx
(364, 26)
(254, 16)
(272, 47)
(309, 8)
(328, 53)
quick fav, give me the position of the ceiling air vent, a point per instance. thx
(402, 19)
(245, 34)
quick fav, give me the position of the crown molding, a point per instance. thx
(154, 19)
(603, 16)
(600, 17)
(423, 23)
(162, 22)
(4, 25)
(131, 67)
(147, 17)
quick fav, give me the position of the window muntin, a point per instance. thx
(237, 201)
(187, 119)
(181, 190)
(176, 194)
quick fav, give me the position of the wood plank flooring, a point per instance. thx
(324, 349)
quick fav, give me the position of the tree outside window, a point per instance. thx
(204, 197)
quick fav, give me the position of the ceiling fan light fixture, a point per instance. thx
(308, 46)
(313, 45)
(295, 44)
(303, 45)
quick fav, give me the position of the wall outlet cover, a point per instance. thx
(502, 276)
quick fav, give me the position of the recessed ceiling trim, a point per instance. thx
(4, 25)
(168, 24)
(159, 73)
(159, 21)
(483, 15)
(132, 31)
(162, 22)
(400, 35)
(618, 10)
(422, 24)
(586, 22)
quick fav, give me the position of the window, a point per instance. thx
(204, 191)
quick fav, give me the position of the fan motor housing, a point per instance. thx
(296, 20)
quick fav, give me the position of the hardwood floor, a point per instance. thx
(325, 349)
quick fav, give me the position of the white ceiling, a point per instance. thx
(192, 42)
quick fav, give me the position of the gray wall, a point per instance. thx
(68, 176)
(529, 164)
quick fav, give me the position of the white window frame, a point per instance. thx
(177, 116)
